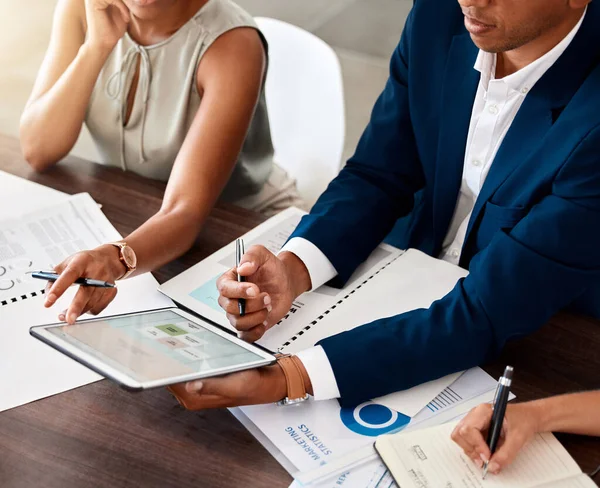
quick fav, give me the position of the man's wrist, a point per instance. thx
(305, 377)
(297, 273)
(274, 384)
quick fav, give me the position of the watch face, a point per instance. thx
(129, 257)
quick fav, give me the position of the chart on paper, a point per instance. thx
(42, 239)
(273, 238)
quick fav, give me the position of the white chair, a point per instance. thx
(305, 101)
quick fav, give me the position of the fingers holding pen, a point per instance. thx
(231, 305)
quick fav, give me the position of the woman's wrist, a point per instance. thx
(539, 413)
(111, 257)
(96, 51)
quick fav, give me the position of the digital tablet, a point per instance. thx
(151, 349)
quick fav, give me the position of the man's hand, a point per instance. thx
(251, 387)
(520, 425)
(273, 283)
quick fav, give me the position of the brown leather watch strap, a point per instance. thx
(296, 389)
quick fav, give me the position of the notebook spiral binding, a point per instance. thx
(332, 308)
(33, 294)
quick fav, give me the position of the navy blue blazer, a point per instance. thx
(533, 242)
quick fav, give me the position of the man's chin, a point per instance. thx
(487, 45)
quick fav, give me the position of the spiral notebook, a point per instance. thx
(389, 282)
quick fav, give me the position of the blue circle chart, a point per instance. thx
(371, 419)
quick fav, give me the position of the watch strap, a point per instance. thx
(296, 389)
(128, 269)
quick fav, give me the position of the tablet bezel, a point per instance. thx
(122, 378)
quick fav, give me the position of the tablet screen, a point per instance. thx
(155, 346)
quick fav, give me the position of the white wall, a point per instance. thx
(24, 33)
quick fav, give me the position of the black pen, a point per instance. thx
(44, 275)
(239, 252)
(500, 401)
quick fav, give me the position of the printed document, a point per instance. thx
(37, 241)
(314, 434)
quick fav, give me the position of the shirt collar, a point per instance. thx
(523, 80)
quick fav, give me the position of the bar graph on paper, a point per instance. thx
(445, 399)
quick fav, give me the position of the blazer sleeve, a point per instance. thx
(377, 185)
(515, 285)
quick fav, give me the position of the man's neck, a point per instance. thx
(510, 62)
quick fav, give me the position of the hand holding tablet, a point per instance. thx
(152, 349)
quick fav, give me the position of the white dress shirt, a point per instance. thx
(495, 107)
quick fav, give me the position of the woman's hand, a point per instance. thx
(101, 263)
(520, 424)
(107, 22)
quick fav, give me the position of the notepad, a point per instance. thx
(429, 458)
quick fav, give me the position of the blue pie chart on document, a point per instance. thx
(371, 419)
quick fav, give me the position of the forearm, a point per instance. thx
(164, 237)
(577, 413)
(51, 123)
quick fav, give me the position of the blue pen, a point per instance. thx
(44, 275)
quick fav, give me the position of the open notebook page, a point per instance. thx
(430, 458)
(581, 481)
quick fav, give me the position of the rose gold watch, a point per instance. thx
(127, 257)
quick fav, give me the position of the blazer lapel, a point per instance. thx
(460, 86)
(541, 108)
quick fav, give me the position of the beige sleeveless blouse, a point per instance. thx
(166, 101)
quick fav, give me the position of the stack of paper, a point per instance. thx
(363, 468)
(391, 281)
(39, 227)
(319, 441)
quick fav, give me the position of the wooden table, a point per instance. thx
(101, 436)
